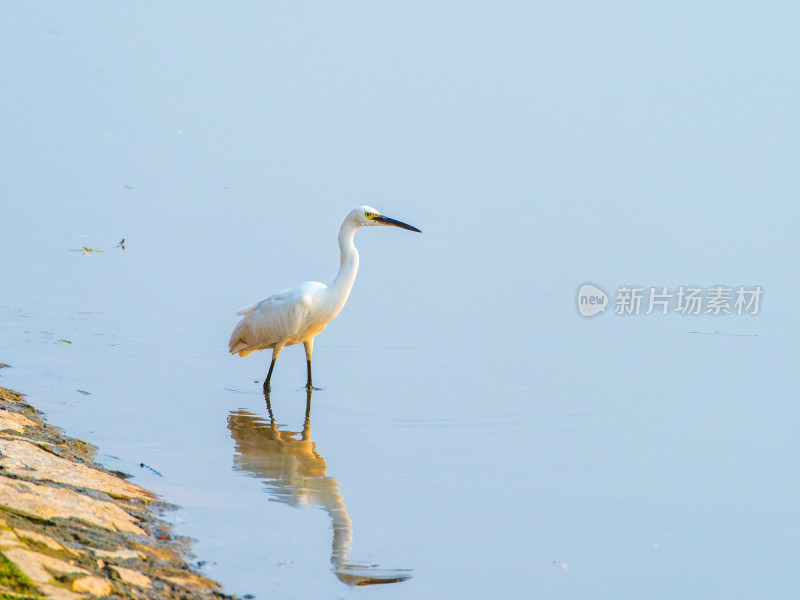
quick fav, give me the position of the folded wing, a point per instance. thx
(277, 319)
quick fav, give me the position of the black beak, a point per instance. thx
(396, 223)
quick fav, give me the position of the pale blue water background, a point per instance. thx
(478, 429)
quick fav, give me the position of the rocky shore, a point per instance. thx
(71, 529)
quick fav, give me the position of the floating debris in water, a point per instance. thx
(4, 366)
(285, 563)
(121, 244)
(85, 250)
(84, 393)
(128, 187)
(144, 466)
(563, 565)
(722, 333)
(65, 341)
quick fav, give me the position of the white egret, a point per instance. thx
(300, 313)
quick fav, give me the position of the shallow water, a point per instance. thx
(472, 432)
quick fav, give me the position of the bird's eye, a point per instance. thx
(369, 215)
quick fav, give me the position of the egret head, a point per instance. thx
(366, 216)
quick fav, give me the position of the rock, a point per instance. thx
(39, 566)
(42, 539)
(54, 592)
(191, 580)
(48, 502)
(12, 421)
(160, 553)
(122, 554)
(132, 577)
(10, 395)
(24, 459)
(94, 585)
(66, 523)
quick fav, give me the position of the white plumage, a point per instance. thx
(283, 317)
(300, 313)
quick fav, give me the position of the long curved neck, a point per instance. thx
(348, 265)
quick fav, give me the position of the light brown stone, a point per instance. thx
(93, 585)
(36, 566)
(56, 592)
(8, 538)
(43, 539)
(160, 553)
(15, 422)
(10, 395)
(24, 459)
(48, 502)
(193, 581)
(132, 577)
(39, 566)
(121, 554)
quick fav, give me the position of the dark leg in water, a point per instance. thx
(309, 345)
(275, 352)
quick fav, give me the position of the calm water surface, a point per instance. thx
(473, 436)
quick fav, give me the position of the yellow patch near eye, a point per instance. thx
(370, 215)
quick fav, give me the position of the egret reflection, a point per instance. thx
(294, 473)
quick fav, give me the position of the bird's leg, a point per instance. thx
(309, 346)
(275, 352)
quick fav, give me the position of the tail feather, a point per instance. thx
(238, 344)
(248, 310)
(241, 348)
